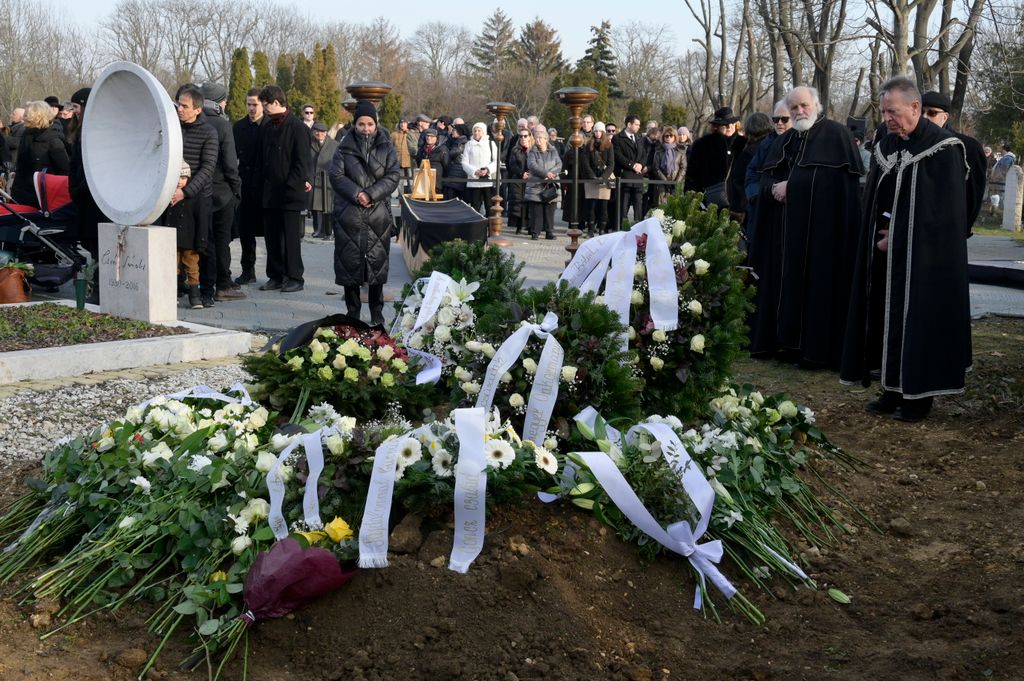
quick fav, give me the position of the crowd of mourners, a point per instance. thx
(856, 238)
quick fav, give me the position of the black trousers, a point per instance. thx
(215, 263)
(542, 215)
(598, 215)
(632, 195)
(282, 231)
(478, 199)
(250, 219)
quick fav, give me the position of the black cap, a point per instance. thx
(81, 96)
(365, 108)
(215, 92)
(319, 127)
(53, 101)
(936, 100)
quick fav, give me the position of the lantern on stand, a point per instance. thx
(499, 110)
(575, 98)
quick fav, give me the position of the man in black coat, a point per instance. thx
(935, 107)
(200, 149)
(322, 205)
(286, 171)
(364, 173)
(909, 313)
(630, 165)
(802, 247)
(249, 215)
(215, 267)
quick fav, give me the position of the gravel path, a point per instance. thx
(31, 421)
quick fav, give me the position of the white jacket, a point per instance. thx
(476, 155)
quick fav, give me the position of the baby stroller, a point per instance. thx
(43, 236)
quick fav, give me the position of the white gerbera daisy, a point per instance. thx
(545, 460)
(409, 452)
(500, 454)
(442, 463)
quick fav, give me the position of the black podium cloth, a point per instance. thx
(428, 223)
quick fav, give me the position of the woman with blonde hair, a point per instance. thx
(41, 148)
(543, 166)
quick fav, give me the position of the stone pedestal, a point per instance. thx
(1013, 199)
(137, 272)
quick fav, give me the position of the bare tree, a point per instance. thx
(131, 32)
(645, 64)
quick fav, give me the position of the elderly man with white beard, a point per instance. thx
(802, 249)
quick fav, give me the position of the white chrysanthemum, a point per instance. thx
(545, 460)
(409, 452)
(323, 414)
(141, 483)
(199, 462)
(442, 463)
(499, 454)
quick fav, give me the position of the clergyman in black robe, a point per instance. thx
(802, 248)
(909, 314)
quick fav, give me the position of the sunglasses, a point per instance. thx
(309, 113)
(932, 113)
(780, 119)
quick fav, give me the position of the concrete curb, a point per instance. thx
(204, 342)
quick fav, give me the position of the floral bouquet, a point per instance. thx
(445, 332)
(359, 371)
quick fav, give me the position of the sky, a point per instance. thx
(572, 20)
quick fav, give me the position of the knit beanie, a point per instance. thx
(365, 108)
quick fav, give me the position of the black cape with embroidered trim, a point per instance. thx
(802, 250)
(909, 309)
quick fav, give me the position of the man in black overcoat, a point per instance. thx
(935, 107)
(286, 170)
(802, 249)
(909, 314)
(249, 215)
(629, 165)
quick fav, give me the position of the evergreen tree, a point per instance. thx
(261, 69)
(556, 114)
(540, 49)
(494, 49)
(300, 93)
(641, 107)
(600, 58)
(316, 83)
(390, 111)
(285, 69)
(673, 114)
(239, 83)
(330, 94)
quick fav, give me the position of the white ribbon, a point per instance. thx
(678, 537)
(588, 417)
(207, 393)
(312, 446)
(612, 258)
(437, 285)
(544, 392)
(373, 530)
(470, 488)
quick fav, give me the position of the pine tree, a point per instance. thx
(285, 69)
(239, 83)
(330, 94)
(390, 111)
(261, 69)
(302, 79)
(494, 48)
(600, 58)
(540, 49)
(673, 114)
(316, 83)
(641, 107)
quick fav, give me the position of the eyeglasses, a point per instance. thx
(780, 119)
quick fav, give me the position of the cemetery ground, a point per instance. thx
(934, 578)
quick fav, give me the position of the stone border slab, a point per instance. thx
(204, 342)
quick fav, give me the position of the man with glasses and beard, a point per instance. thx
(935, 107)
(808, 214)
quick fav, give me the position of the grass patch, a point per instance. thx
(48, 325)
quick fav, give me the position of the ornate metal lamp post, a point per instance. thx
(499, 110)
(575, 98)
(372, 91)
(349, 105)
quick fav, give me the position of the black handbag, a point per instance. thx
(716, 194)
(549, 193)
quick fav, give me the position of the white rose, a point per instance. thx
(516, 401)
(408, 321)
(385, 352)
(695, 307)
(265, 461)
(257, 509)
(568, 374)
(443, 333)
(336, 444)
(697, 343)
(679, 229)
(636, 297)
(639, 271)
(659, 336)
(416, 342)
(701, 267)
(126, 522)
(658, 213)
(529, 365)
(550, 444)
(631, 333)
(487, 349)
(240, 544)
(105, 444)
(688, 250)
(279, 441)
(218, 442)
(757, 398)
(506, 377)
(787, 409)
(258, 418)
(657, 363)
(446, 316)
(473, 346)
(471, 388)
(462, 375)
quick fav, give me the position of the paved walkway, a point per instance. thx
(544, 261)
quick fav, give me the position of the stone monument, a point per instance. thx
(131, 149)
(1013, 198)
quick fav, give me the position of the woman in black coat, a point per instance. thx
(41, 148)
(363, 174)
(515, 201)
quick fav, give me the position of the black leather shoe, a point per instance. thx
(534, 237)
(913, 411)
(887, 404)
(549, 236)
(207, 300)
(245, 278)
(291, 287)
(271, 285)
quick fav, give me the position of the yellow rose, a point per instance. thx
(218, 576)
(313, 537)
(338, 530)
(387, 380)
